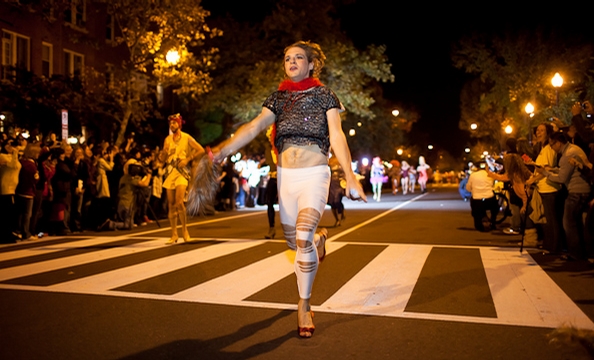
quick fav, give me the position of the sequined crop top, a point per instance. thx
(301, 116)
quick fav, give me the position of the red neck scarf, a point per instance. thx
(289, 85)
(304, 84)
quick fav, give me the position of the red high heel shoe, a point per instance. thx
(306, 332)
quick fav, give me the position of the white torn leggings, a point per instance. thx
(303, 194)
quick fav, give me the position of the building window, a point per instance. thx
(47, 56)
(15, 53)
(75, 13)
(73, 63)
(110, 28)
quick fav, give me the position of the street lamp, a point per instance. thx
(557, 82)
(172, 57)
(473, 126)
(508, 129)
(395, 112)
(530, 111)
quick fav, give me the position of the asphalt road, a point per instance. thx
(406, 278)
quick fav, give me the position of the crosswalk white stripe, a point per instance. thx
(131, 274)
(240, 284)
(30, 269)
(385, 285)
(524, 294)
(49, 248)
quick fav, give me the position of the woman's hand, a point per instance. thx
(217, 155)
(354, 190)
(523, 209)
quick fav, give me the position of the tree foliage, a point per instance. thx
(516, 68)
(149, 30)
(145, 31)
(251, 68)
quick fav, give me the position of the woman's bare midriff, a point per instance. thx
(296, 156)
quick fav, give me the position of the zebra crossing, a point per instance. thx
(260, 273)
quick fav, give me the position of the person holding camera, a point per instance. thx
(178, 151)
(582, 120)
(578, 188)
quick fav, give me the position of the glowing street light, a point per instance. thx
(557, 80)
(467, 150)
(430, 147)
(508, 129)
(399, 151)
(352, 132)
(529, 109)
(473, 126)
(395, 112)
(172, 57)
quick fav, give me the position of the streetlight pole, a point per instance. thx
(172, 58)
(557, 82)
(530, 111)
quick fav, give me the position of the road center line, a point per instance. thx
(364, 223)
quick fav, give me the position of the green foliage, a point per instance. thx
(149, 30)
(250, 66)
(514, 69)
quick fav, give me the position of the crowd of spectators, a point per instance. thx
(55, 188)
(50, 187)
(551, 182)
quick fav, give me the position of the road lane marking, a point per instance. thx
(384, 285)
(524, 294)
(375, 218)
(131, 274)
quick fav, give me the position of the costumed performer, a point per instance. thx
(306, 117)
(178, 151)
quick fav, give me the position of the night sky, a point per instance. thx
(419, 39)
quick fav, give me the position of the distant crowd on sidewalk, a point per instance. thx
(549, 182)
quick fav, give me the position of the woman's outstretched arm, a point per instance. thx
(244, 135)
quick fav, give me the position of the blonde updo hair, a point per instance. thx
(314, 54)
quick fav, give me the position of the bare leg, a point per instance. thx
(180, 194)
(306, 266)
(305, 316)
(172, 214)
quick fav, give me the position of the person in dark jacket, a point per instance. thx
(25, 191)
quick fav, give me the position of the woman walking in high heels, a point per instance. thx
(306, 121)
